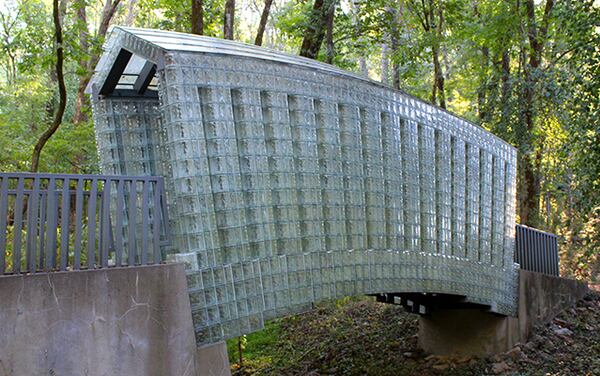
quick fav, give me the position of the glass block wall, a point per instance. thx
(290, 182)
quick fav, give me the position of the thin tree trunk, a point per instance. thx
(329, 38)
(263, 23)
(394, 36)
(505, 90)
(108, 12)
(110, 7)
(197, 17)
(438, 74)
(228, 19)
(131, 12)
(438, 84)
(62, 91)
(530, 210)
(483, 86)
(315, 30)
(385, 64)
(82, 100)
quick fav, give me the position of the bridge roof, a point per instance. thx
(149, 45)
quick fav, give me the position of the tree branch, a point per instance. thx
(62, 91)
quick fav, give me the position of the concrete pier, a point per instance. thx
(472, 332)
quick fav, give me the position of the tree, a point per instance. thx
(529, 194)
(263, 23)
(197, 17)
(315, 29)
(228, 19)
(430, 14)
(62, 90)
(90, 51)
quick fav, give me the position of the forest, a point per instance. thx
(526, 70)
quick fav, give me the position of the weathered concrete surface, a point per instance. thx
(214, 360)
(121, 321)
(468, 332)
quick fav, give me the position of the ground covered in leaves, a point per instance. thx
(362, 337)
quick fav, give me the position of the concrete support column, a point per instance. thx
(213, 360)
(466, 332)
(473, 332)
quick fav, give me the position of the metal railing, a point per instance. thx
(52, 222)
(536, 250)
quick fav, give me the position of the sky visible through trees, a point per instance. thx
(527, 70)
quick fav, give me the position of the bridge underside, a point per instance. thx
(290, 181)
(425, 303)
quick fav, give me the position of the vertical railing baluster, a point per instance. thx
(119, 222)
(33, 221)
(105, 220)
(18, 225)
(3, 221)
(156, 223)
(131, 223)
(528, 250)
(65, 213)
(545, 246)
(145, 216)
(52, 221)
(91, 246)
(78, 223)
(163, 209)
(41, 227)
(557, 256)
(518, 257)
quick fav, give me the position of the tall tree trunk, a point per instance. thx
(395, 65)
(108, 12)
(62, 90)
(531, 188)
(82, 100)
(437, 68)
(483, 85)
(395, 19)
(505, 90)
(329, 37)
(131, 12)
(197, 17)
(263, 22)
(438, 84)
(228, 19)
(385, 64)
(315, 30)
(362, 61)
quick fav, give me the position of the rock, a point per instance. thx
(440, 367)
(515, 353)
(545, 356)
(537, 338)
(463, 359)
(563, 331)
(501, 367)
(530, 346)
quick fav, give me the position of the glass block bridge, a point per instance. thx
(289, 181)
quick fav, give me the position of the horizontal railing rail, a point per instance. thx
(536, 250)
(51, 222)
